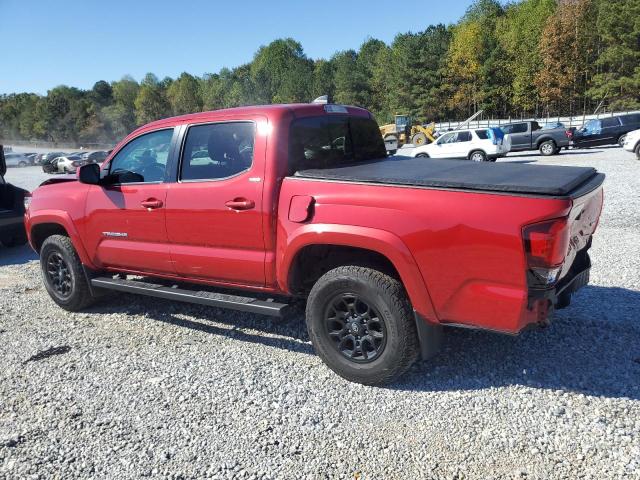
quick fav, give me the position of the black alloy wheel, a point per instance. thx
(357, 330)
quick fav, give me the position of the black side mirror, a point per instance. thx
(3, 163)
(90, 174)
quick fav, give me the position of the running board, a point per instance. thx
(211, 299)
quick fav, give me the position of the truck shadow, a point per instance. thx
(592, 347)
(16, 255)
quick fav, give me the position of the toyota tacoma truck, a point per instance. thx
(251, 208)
(531, 136)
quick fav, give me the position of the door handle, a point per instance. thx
(151, 203)
(240, 204)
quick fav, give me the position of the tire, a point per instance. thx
(621, 140)
(59, 261)
(422, 155)
(548, 148)
(22, 164)
(371, 300)
(419, 139)
(637, 150)
(478, 156)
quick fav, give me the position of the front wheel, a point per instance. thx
(422, 155)
(361, 324)
(22, 164)
(63, 275)
(638, 151)
(478, 156)
(548, 148)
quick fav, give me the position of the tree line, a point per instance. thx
(529, 58)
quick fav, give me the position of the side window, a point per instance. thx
(519, 128)
(217, 150)
(446, 138)
(592, 127)
(610, 122)
(463, 137)
(143, 159)
(483, 134)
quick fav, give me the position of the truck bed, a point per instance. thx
(547, 180)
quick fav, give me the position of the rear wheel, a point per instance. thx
(478, 156)
(548, 148)
(423, 155)
(638, 151)
(63, 275)
(361, 324)
(621, 139)
(22, 164)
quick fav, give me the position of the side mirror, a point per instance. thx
(89, 174)
(3, 163)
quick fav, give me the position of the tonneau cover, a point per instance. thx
(460, 174)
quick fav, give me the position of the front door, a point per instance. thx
(444, 147)
(125, 226)
(214, 211)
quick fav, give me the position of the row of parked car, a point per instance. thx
(55, 162)
(488, 144)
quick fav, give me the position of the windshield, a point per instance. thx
(329, 141)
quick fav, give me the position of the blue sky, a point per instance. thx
(72, 42)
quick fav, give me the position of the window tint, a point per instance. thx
(217, 150)
(447, 138)
(482, 134)
(143, 159)
(610, 122)
(463, 136)
(633, 118)
(518, 128)
(592, 127)
(329, 141)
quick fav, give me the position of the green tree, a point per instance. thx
(184, 95)
(151, 102)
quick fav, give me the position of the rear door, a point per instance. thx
(520, 135)
(215, 210)
(125, 225)
(611, 130)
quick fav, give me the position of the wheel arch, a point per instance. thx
(44, 224)
(362, 246)
(545, 138)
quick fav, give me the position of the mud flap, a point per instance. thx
(429, 336)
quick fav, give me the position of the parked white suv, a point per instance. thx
(632, 142)
(479, 145)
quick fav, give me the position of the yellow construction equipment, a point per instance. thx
(402, 131)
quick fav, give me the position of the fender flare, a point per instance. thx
(62, 218)
(380, 241)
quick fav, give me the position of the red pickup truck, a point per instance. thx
(301, 201)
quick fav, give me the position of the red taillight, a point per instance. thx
(569, 134)
(546, 243)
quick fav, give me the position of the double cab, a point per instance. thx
(530, 135)
(249, 208)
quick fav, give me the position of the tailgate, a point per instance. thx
(583, 220)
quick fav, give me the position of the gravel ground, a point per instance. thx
(147, 388)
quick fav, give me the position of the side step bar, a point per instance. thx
(211, 299)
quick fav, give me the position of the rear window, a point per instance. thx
(610, 122)
(330, 141)
(631, 119)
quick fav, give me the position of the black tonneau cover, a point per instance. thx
(462, 174)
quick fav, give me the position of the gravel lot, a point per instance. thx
(147, 388)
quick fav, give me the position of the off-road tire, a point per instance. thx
(548, 148)
(80, 295)
(387, 296)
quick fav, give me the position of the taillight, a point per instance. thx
(546, 245)
(568, 133)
